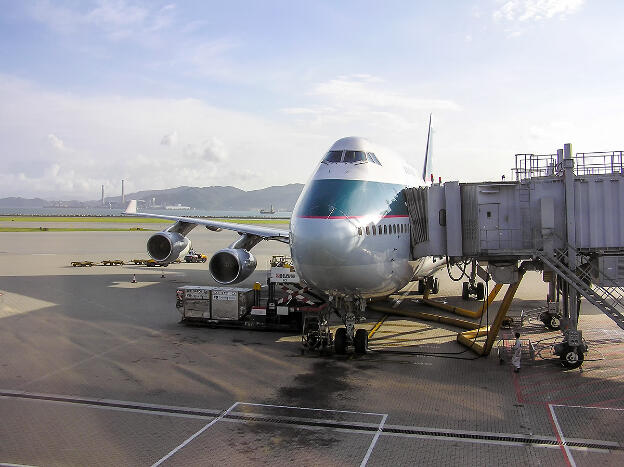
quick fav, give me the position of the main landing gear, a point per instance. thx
(429, 283)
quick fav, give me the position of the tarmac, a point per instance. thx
(96, 370)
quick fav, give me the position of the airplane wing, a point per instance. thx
(187, 223)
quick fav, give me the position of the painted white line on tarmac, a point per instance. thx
(84, 360)
(561, 438)
(374, 441)
(309, 408)
(587, 407)
(171, 453)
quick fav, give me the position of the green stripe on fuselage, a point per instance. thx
(351, 198)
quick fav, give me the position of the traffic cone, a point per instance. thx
(133, 281)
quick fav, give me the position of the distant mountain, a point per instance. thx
(22, 203)
(216, 198)
(227, 198)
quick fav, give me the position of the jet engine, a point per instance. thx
(167, 246)
(232, 265)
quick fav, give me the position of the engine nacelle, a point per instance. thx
(232, 265)
(167, 246)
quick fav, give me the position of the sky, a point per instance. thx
(252, 94)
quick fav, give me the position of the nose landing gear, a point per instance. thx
(316, 334)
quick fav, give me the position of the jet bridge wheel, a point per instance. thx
(340, 341)
(552, 322)
(360, 341)
(572, 358)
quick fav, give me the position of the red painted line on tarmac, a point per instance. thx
(516, 384)
(559, 440)
(582, 395)
(563, 386)
(538, 374)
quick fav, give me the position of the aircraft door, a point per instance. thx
(489, 227)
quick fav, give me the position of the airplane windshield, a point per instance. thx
(371, 157)
(333, 156)
(354, 156)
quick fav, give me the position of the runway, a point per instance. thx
(95, 370)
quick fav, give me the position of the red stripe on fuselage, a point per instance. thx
(349, 217)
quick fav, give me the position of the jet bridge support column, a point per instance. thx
(568, 175)
(469, 338)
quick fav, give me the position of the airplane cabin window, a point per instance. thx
(374, 230)
(333, 156)
(367, 231)
(385, 229)
(394, 228)
(359, 230)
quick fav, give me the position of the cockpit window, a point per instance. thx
(333, 156)
(371, 157)
(354, 156)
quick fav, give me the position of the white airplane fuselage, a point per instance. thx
(349, 232)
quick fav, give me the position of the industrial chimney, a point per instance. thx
(102, 195)
(123, 197)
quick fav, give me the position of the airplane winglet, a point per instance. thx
(132, 207)
(427, 166)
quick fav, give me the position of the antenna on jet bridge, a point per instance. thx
(427, 166)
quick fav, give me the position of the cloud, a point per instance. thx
(365, 105)
(170, 139)
(56, 142)
(212, 150)
(118, 19)
(112, 137)
(358, 91)
(535, 10)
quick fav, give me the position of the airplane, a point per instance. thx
(349, 235)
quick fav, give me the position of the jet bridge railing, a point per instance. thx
(592, 163)
(608, 299)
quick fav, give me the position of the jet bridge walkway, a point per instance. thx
(568, 224)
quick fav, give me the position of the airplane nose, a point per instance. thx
(322, 248)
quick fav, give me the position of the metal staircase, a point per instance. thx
(609, 300)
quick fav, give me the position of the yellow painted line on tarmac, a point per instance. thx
(377, 326)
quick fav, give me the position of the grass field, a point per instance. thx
(69, 229)
(126, 220)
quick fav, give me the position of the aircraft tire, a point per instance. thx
(340, 341)
(465, 292)
(360, 341)
(554, 322)
(480, 291)
(571, 359)
(436, 286)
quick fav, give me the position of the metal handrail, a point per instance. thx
(583, 274)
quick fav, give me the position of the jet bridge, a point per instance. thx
(562, 214)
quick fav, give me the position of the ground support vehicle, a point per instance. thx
(112, 262)
(82, 264)
(194, 257)
(280, 305)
